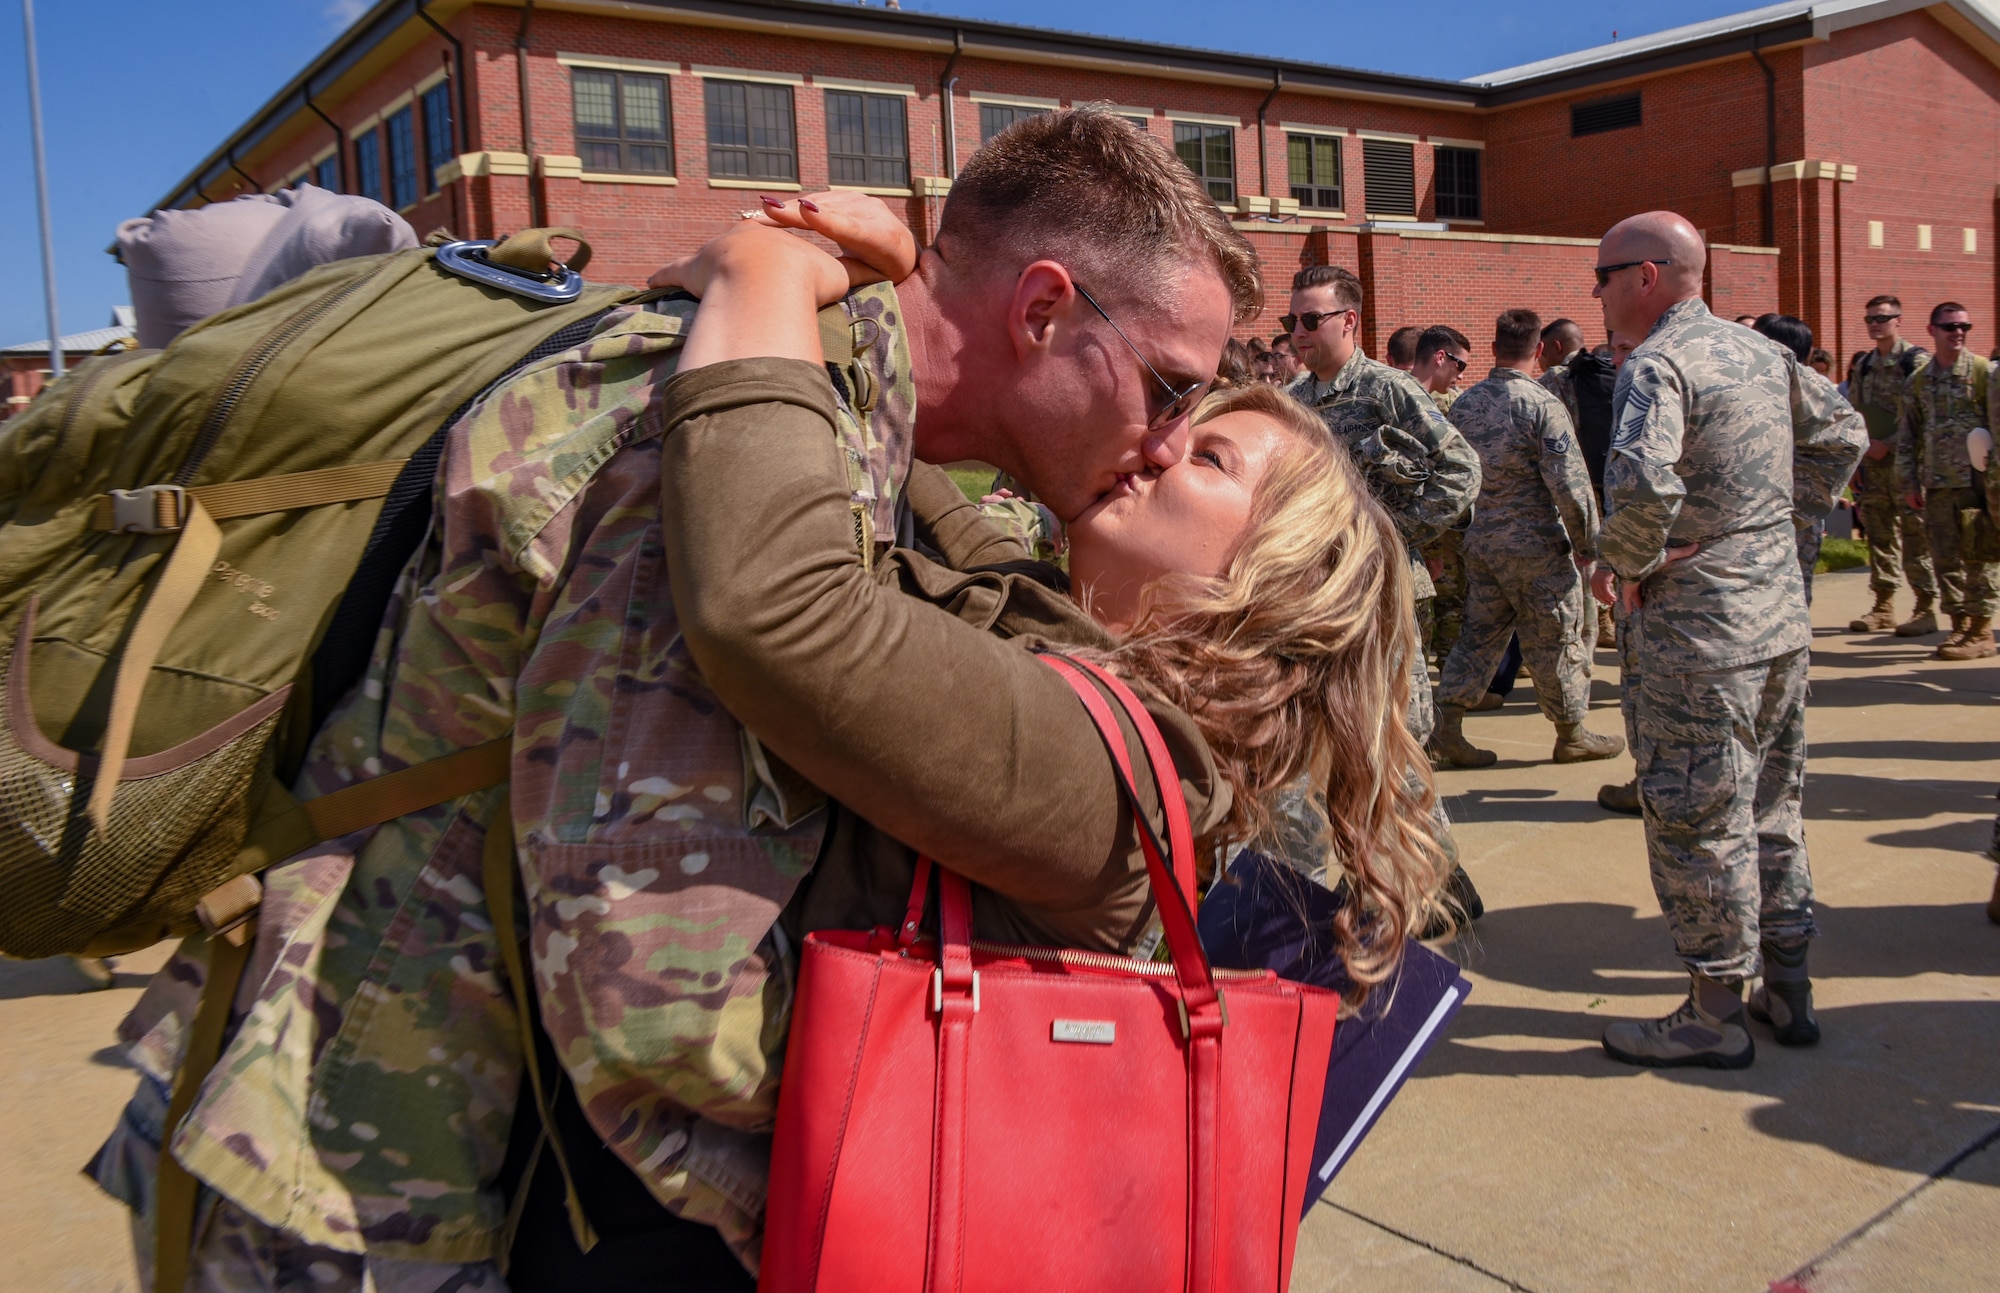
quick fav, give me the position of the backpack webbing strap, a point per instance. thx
(369, 803)
(187, 568)
(162, 509)
(174, 1200)
(497, 864)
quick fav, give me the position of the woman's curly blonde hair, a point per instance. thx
(1295, 665)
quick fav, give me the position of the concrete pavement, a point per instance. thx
(1519, 1156)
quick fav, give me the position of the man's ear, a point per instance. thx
(1044, 298)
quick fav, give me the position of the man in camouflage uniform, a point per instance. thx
(1877, 388)
(1720, 440)
(1442, 354)
(1561, 353)
(1945, 401)
(1417, 465)
(1562, 341)
(1534, 525)
(352, 1135)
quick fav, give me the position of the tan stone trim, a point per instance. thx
(1743, 249)
(1455, 235)
(559, 166)
(931, 186)
(876, 191)
(1748, 176)
(1268, 226)
(773, 186)
(473, 165)
(424, 86)
(1971, 242)
(865, 87)
(321, 156)
(1923, 237)
(1389, 136)
(1470, 224)
(396, 105)
(609, 64)
(1390, 219)
(1439, 141)
(1875, 233)
(1204, 119)
(1811, 168)
(367, 124)
(1849, 172)
(743, 74)
(1013, 100)
(1303, 128)
(602, 177)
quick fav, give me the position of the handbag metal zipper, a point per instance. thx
(249, 368)
(1097, 960)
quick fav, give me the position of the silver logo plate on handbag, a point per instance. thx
(1099, 1032)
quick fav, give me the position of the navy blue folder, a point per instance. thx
(1265, 915)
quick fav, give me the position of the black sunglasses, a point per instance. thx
(1952, 327)
(1604, 272)
(1456, 360)
(1180, 402)
(1311, 318)
(1879, 319)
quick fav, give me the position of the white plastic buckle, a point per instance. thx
(937, 992)
(136, 511)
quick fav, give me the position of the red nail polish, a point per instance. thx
(771, 201)
(809, 206)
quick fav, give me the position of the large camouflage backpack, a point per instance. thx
(196, 549)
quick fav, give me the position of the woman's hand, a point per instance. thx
(875, 246)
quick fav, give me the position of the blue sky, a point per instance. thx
(134, 94)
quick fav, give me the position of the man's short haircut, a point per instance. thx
(1884, 299)
(1789, 331)
(1943, 308)
(1516, 332)
(1346, 287)
(1441, 337)
(1820, 357)
(1403, 345)
(1083, 186)
(1564, 328)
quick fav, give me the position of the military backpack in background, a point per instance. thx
(196, 548)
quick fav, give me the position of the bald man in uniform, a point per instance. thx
(1719, 437)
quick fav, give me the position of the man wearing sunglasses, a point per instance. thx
(1443, 355)
(1947, 401)
(1721, 441)
(1438, 358)
(1896, 537)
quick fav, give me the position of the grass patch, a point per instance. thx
(975, 482)
(1841, 554)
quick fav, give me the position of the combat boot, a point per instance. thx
(1491, 701)
(1784, 999)
(1576, 743)
(1881, 617)
(1973, 642)
(1607, 631)
(1707, 1031)
(1923, 620)
(1621, 799)
(1449, 743)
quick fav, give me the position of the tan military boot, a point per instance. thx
(1974, 641)
(1707, 1031)
(1607, 631)
(1449, 743)
(1881, 617)
(1923, 620)
(1956, 635)
(1576, 743)
(1621, 799)
(1491, 701)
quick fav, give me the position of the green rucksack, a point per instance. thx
(196, 549)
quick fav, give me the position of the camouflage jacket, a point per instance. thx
(1558, 382)
(1444, 399)
(1881, 384)
(365, 1100)
(1532, 483)
(1421, 469)
(1720, 438)
(1940, 406)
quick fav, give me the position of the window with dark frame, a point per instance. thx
(996, 117)
(1600, 115)
(1210, 152)
(368, 164)
(1142, 124)
(1315, 167)
(326, 172)
(1389, 176)
(750, 135)
(401, 128)
(1457, 183)
(623, 122)
(437, 132)
(867, 140)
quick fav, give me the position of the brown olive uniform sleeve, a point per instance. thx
(954, 525)
(947, 737)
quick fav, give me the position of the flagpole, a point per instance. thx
(42, 194)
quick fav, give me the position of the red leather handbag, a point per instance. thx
(971, 1116)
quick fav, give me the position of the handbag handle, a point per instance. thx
(1173, 889)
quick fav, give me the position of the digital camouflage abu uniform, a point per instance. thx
(1444, 558)
(1939, 408)
(1534, 513)
(356, 1122)
(1896, 537)
(1721, 440)
(1422, 470)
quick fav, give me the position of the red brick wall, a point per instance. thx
(1465, 281)
(1741, 282)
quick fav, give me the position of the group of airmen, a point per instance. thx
(1675, 476)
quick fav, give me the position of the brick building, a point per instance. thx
(1829, 150)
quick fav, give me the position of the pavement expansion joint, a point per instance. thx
(1802, 1277)
(1447, 1254)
